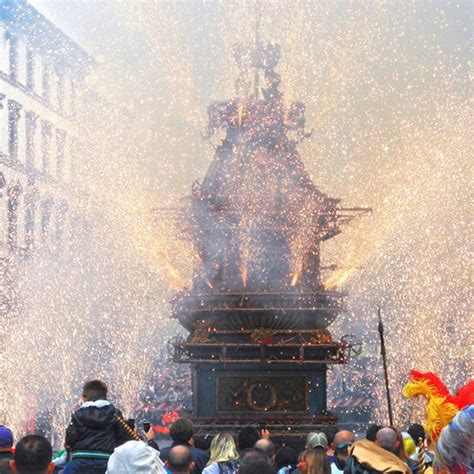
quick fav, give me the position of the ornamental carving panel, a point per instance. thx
(262, 394)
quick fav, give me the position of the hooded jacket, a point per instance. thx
(136, 457)
(94, 430)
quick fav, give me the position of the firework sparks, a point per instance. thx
(386, 89)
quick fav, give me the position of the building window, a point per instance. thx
(31, 119)
(30, 69)
(3, 213)
(13, 194)
(60, 90)
(46, 208)
(45, 144)
(13, 57)
(45, 81)
(60, 152)
(30, 212)
(13, 118)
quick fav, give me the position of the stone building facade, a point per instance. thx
(42, 73)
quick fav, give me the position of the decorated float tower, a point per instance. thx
(258, 311)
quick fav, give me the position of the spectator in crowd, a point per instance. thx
(255, 461)
(367, 456)
(330, 432)
(389, 439)
(224, 457)
(372, 431)
(180, 460)
(247, 438)
(5, 466)
(343, 440)
(94, 431)
(417, 432)
(171, 396)
(268, 447)
(286, 460)
(203, 442)
(317, 440)
(33, 455)
(314, 461)
(136, 457)
(6, 443)
(181, 433)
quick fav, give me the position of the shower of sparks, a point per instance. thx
(386, 89)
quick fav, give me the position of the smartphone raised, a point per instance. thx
(146, 426)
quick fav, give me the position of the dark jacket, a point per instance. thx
(94, 428)
(200, 457)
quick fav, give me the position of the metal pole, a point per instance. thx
(385, 368)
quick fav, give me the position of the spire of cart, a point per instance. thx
(256, 61)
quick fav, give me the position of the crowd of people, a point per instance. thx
(99, 441)
(166, 398)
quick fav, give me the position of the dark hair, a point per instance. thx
(330, 432)
(372, 431)
(247, 438)
(255, 461)
(33, 455)
(286, 456)
(182, 430)
(179, 459)
(94, 390)
(416, 431)
(203, 442)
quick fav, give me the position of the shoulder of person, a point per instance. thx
(211, 469)
(164, 453)
(200, 451)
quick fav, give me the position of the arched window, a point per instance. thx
(13, 56)
(46, 144)
(31, 199)
(31, 119)
(13, 118)
(46, 208)
(13, 193)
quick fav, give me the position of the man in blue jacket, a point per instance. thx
(181, 433)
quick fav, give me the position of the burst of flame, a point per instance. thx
(339, 277)
(298, 271)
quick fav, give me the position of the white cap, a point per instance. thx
(317, 440)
